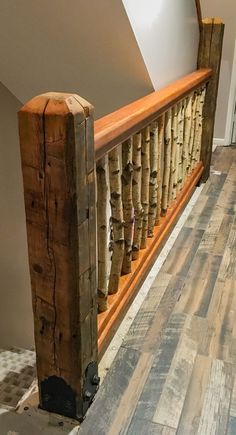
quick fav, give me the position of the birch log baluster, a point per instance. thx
(196, 130)
(199, 136)
(161, 126)
(175, 134)
(127, 148)
(185, 141)
(184, 106)
(181, 140)
(170, 184)
(174, 128)
(102, 199)
(116, 219)
(187, 132)
(192, 132)
(167, 160)
(145, 183)
(136, 190)
(153, 185)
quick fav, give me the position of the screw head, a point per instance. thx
(96, 380)
(87, 395)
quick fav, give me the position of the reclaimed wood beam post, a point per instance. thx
(57, 152)
(209, 56)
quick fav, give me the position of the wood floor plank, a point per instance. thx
(172, 399)
(163, 314)
(223, 234)
(228, 269)
(232, 411)
(127, 405)
(198, 289)
(141, 427)
(215, 184)
(153, 387)
(218, 340)
(191, 413)
(196, 211)
(110, 394)
(231, 426)
(144, 318)
(214, 415)
(181, 256)
(224, 162)
(227, 197)
(206, 213)
(210, 236)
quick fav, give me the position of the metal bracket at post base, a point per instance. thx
(58, 397)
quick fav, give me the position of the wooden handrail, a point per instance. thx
(121, 124)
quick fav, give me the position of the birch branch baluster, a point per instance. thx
(187, 132)
(174, 133)
(127, 149)
(117, 220)
(181, 140)
(167, 159)
(193, 122)
(161, 128)
(196, 130)
(145, 183)
(136, 190)
(153, 184)
(199, 137)
(102, 200)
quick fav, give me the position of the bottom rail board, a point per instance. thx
(130, 284)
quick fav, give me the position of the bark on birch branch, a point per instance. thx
(145, 183)
(102, 200)
(127, 149)
(167, 159)
(116, 219)
(136, 188)
(153, 185)
(161, 127)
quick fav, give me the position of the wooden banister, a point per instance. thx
(118, 126)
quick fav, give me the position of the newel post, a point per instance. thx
(209, 56)
(57, 152)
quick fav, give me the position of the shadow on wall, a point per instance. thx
(16, 320)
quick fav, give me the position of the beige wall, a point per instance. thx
(225, 9)
(88, 48)
(16, 323)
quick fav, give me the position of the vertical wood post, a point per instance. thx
(209, 56)
(57, 152)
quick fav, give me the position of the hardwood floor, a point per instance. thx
(175, 372)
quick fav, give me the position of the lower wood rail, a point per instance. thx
(130, 284)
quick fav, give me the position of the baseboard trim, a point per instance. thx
(219, 142)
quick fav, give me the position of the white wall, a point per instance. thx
(84, 47)
(167, 32)
(16, 322)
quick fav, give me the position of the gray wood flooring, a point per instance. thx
(175, 372)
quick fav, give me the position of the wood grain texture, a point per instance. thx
(171, 402)
(209, 56)
(118, 126)
(214, 414)
(57, 153)
(110, 393)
